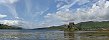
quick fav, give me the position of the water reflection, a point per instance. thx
(52, 35)
(69, 35)
(31, 35)
(91, 35)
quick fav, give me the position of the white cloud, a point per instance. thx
(2, 16)
(9, 22)
(70, 3)
(7, 1)
(59, 4)
(107, 4)
(64, 7)
(49, 15)
(10, 6)
(13, 11)
(64, 15)
(82, 2)
(98, 12)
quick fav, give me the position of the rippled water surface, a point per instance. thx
(31, 35)
(48, 35)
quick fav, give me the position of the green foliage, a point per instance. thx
(93, 25)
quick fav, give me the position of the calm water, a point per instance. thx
(45, 35)
(31, 35)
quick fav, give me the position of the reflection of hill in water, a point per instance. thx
(52, 35)
(91, 35)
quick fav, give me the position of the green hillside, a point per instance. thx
(90, 25)
(70, 27)
(93, 25)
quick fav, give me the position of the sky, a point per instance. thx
(31, 14)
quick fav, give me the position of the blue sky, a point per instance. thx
(46, 13)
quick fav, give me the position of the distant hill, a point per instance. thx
(90, 25)
(61, 27)
(2, 26)
(104, 25)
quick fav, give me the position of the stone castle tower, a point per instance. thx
(71, 25)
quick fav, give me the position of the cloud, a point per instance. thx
(83, 2)
(2, 16)
(9, 22)
(64, 7)
(7, 1)
(70, 3)
(98, 12)
(12, 10)
(64, 15)
(10, 6)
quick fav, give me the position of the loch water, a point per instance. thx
(46, 35)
